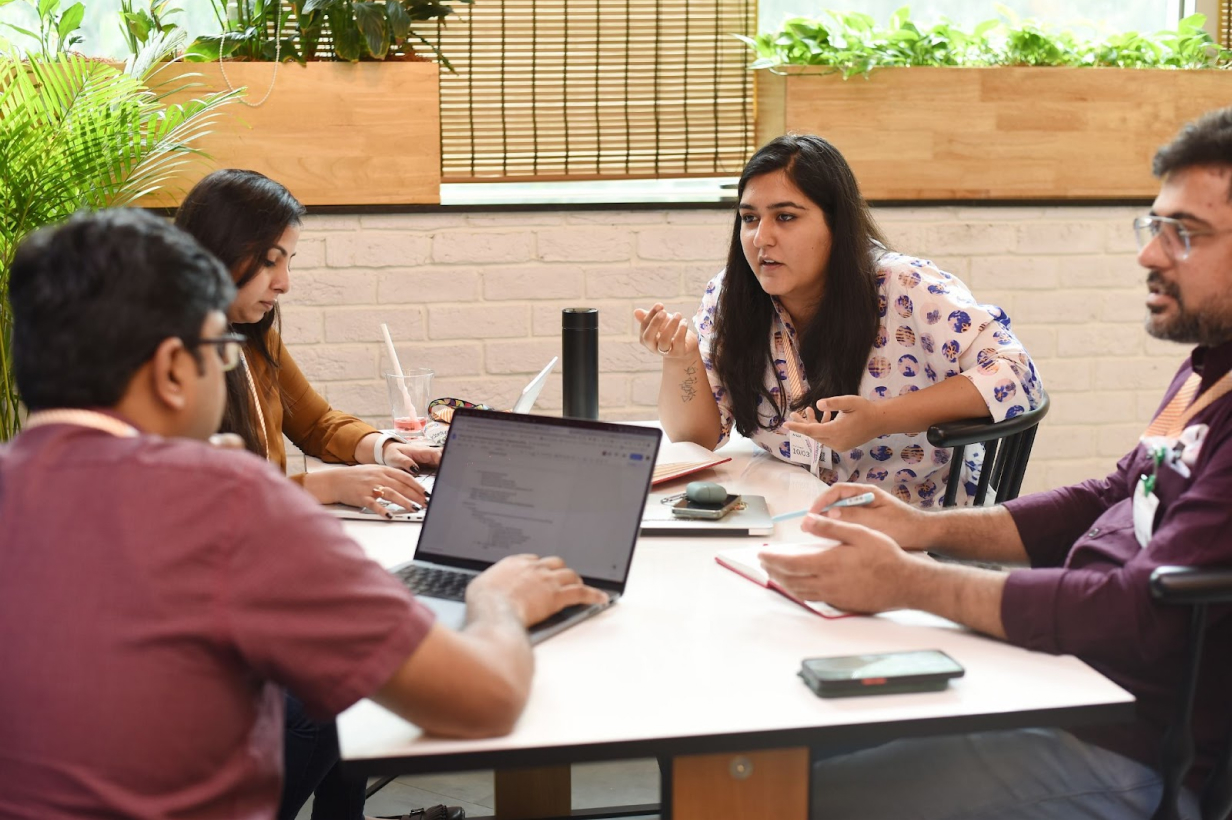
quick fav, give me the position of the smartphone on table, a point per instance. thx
(684, 508)
(924, 670)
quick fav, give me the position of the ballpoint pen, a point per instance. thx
(852, 501)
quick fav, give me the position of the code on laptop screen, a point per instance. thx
(550, 487)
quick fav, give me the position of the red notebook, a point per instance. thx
(744, 561)
(680, 469)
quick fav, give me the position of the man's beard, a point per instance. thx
(1186, 326)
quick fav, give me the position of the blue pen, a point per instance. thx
(853, 501)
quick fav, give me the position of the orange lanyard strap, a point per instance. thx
(1177, 413)
(82, 418)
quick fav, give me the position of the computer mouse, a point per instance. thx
(705, 492)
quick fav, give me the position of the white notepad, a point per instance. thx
(744, 561)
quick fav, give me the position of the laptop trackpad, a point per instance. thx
(448, 613)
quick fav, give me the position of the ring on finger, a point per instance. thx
(663, 352)
(378, 491)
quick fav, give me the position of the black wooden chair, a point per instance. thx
(1007, 446)
(1197, 588)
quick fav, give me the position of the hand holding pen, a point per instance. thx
(871, 507)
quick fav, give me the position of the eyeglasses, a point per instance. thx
(229, 346)
(1172, 234)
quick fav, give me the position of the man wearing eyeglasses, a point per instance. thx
(1091, 549)
(156, 594)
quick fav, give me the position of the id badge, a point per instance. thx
(1145, 505)
(801, 449)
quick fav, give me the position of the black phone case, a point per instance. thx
(928, 682)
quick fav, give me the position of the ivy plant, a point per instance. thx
(851, 43)
(356, 29)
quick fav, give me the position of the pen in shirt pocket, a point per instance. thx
(853, 501)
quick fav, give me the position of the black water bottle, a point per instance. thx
(579, 344)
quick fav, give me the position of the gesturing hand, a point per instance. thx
(840, 422)
(665, 334)
(537, 588)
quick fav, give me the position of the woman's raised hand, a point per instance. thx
(666, 334)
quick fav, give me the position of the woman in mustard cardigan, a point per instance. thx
(252, 224)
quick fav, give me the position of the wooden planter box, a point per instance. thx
(994, 133)
(333, 133)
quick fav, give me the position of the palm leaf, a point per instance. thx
(76, 133)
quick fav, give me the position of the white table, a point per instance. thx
(697, 663)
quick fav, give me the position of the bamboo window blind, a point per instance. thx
(596, 89)
(1225, 24)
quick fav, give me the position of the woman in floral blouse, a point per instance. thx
(827, 348)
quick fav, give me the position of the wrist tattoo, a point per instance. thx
(688, 389)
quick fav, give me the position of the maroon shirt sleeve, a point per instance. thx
(1097, 604)
(306, 607)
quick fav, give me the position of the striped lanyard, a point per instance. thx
(1177, 413)
(795, 388)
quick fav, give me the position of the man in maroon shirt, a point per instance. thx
(1091, 548)
(157, 593)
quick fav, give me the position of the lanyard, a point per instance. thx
(256, 402)
(82, 418)
(1172, 419)
(786, 351)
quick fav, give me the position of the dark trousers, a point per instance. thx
(310, 750)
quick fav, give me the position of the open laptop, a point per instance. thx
(530, 394)
(511, 483)
(532, 390)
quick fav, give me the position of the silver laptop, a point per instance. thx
(510, 484)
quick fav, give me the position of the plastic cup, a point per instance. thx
(408, 400)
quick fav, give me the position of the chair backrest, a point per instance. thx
(1007, 447)
(1198, 588)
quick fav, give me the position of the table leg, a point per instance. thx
(522, 794)
(751, 786)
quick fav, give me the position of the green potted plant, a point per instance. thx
(80, 133)
(356, 30)
(356, 122)
(1009, 110)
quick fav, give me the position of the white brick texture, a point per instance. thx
(477, 296)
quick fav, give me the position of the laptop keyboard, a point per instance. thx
(435, 582)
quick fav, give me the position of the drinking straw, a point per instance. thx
(393, 357)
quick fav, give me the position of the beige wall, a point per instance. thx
(477, 297)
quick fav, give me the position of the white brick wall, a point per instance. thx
(477, 297)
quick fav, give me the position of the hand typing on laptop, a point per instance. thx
(366, 485)
(535, 587)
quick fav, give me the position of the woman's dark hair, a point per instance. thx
(94, 297)
(238, 216)
(834, 345)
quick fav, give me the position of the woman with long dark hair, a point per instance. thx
(252, 224)
(827, 348)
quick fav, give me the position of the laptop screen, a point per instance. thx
(512, 484)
